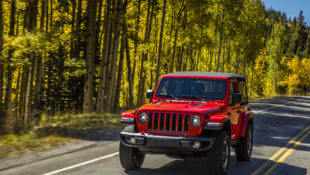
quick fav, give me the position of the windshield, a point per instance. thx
(192, 88)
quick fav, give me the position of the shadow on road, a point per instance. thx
(277, 126)
(198, 166)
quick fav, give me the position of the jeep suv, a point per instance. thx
(191, 114)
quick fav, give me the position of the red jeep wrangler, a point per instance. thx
(191, 114)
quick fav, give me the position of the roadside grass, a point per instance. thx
(52, 131)
(18, 144)
(77, 125)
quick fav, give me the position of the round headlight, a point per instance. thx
(143, 117)
(195, 120)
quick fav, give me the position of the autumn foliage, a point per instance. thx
(84, 56)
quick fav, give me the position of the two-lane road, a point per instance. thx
(281, 146)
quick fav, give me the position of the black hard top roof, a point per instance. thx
(209, 74)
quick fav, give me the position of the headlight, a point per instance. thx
(195, 120)
(143, 117)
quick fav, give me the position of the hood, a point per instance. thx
(184, 106)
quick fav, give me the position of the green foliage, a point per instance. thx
(27, 44)
(77, 65)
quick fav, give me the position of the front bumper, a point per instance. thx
(146, 140)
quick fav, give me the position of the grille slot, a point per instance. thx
(150, 120)
(168, 122)
(155, 121)
(168, 118)
(162, 121)
(186, 122)
(174, 121)
(180, 122)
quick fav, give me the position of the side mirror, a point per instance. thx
(236, 98)
(149, 94)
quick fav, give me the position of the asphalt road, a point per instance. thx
(281, 146)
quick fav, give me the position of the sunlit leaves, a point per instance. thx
(295, 74)
(77, 67)
(29, 43)
(259, 77)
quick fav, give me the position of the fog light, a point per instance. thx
(196, 145)
(131, 140)
(195, 120)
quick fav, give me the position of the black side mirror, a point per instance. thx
(149, 94)
(236, 98)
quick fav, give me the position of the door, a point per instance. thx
(235, 111)
(243, 91)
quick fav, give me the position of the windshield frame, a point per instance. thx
(224, 80)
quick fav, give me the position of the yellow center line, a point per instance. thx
(284, 156)
(278, 153)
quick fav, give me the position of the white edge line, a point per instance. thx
(82, 164)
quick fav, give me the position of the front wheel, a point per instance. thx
(219, 155)
(130, 158)
(244, 147)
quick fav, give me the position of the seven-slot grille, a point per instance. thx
(168, 122)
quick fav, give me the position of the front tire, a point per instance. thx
(130, 158)
(219, 155)
(245, 146)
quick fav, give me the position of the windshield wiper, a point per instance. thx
(169, 96)
(193, 96)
